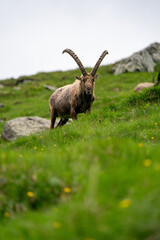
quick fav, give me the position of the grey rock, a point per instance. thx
(143, 61)
(52, 88)
(17, 88)
(1, 86)
(1, 105)
(24, 80)
(25, 126)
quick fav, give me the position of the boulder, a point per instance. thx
(25, 126)
(24, 80)
(17, 88)
(143, 61)
(1, 105)
(51, 88)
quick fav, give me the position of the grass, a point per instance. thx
(95, 179)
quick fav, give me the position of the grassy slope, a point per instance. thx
(97, 178)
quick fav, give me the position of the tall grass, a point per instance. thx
(94, 179)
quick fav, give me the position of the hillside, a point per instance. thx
(94, 179)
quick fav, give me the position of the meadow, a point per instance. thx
(94, 179)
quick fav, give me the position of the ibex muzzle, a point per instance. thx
(75, 98)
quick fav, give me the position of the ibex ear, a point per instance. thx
(96, 77)
(79, 78)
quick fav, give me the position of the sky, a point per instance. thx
(33, 33)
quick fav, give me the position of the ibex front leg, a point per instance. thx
(62, 122)
(73, 114)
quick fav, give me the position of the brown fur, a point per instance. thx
(67, 101)
(72, 99)
(145, 85)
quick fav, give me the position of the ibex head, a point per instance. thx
(87, 79)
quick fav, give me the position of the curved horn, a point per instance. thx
(74, 56)
(94, 70)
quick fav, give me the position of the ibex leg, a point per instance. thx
(62, 122)
(53, 118)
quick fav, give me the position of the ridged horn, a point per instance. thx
(79, 63)
(94, 70)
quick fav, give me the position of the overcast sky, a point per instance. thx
(33, 33)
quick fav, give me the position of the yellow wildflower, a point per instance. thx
(155, 123)
(157, 167)
(30, 194)
(20, 155)
(140, 145)
(82, 140)
(56, 209)
(56, 225)
(41, 137)
(152, 138)
(54, 145)
(35, 148)
(42, 149)
(125, 203)
(63, 196)
(6, 214)
(67, 189)
(89, 238)
(147, 162)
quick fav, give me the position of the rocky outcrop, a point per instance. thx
(143, 61)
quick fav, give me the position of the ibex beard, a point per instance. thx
(66, 102)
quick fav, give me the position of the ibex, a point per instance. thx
(75, 98)
(144, 85)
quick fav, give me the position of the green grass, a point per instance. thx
(95, 179)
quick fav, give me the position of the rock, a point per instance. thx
(143, 61)
(25, 126)
(1, 86)
(25, 80)
(52, 88)
(1, 105)
(17, 88)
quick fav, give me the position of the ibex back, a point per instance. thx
(145, 85)
(75, 98)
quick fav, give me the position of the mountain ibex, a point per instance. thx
(75, 98)
(144, 85)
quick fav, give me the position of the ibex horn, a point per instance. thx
(94, 70)
(74, 56)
